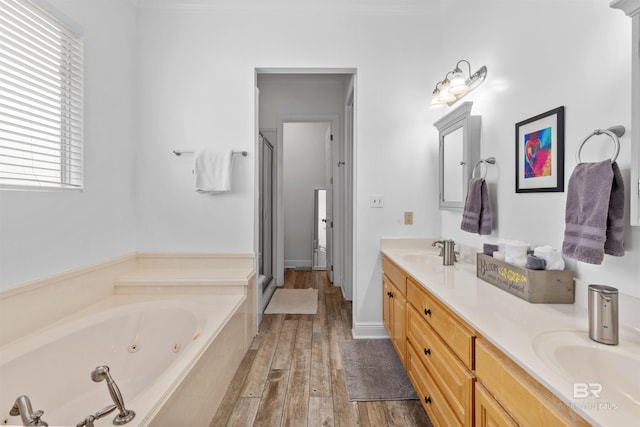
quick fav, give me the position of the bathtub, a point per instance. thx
(162, 352)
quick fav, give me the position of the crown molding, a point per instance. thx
(387, 7)
(630, 7)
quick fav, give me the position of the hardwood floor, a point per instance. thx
(292, 374)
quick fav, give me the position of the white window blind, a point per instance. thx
(41, 110)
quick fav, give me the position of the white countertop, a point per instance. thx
(512, 325)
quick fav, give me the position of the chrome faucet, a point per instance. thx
(22, 407)
(447, 251)
(125, 415)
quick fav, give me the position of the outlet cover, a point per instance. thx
(408, 218)
(377, 201)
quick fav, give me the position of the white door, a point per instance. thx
(328, 150)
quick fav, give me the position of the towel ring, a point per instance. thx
(613, 132)
(488, 161)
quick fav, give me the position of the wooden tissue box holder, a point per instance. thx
(534, 286)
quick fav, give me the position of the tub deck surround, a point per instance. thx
(181, 280)
(41, 302)
(189, 391)
(512, 324)
(199, 329)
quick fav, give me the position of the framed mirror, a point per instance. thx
(459, 150)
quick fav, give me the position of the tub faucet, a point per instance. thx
(124, 415)
(23, 408)
(88, 421)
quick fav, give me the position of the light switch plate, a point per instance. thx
(408, 218)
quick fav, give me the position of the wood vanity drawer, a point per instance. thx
(454, 380)
(526, 401)
(439, 411)
(395, 274)
(443, 321)
(489, 413)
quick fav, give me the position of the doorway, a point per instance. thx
(288, 96)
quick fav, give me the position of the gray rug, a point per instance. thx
(373, 371)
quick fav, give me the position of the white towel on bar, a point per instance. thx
(213, 170)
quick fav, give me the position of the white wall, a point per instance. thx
(303, 172)
(197, 86)
(43, 233)
(541, 55)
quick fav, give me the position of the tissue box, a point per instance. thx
(534, 286)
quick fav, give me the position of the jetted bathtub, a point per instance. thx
(150, 343)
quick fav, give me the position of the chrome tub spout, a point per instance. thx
(23, 408)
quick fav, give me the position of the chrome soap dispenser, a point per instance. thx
(603, 314)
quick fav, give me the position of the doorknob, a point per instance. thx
(340, 164)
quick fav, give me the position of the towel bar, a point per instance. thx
(181, 152)
(489, 161)
(613, 132)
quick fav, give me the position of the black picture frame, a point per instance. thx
(540, 153)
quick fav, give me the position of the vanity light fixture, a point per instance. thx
(455, 85)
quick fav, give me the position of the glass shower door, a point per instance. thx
(265, 262)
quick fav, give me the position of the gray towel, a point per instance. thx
(614, 245)
(489, 249)
(594, 214)
(476, 217)
(535, 263)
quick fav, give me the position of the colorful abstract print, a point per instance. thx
(537, 153)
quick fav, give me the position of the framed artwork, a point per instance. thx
(540, 153)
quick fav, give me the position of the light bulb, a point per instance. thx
(458, 85)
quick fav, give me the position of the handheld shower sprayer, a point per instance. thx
(101, 373)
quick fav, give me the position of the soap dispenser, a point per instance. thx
(603, 314)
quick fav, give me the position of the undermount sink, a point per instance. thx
(419, 258)
(605, 374)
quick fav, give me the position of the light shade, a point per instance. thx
(455, 85)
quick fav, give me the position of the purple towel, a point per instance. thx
(476, 217)
(594, 214)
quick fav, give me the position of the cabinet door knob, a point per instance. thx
(427, 351)
(388, 294)
(427, 399)
(391, 294)
(427, 311)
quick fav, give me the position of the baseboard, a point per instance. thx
(369, 330)
(297, 263)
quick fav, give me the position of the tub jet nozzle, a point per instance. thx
(125, 415)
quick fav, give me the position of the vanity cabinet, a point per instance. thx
(394, 306)
(488, 411)
(511, 395)
(440, 350)
(461, 378)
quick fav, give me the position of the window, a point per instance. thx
(41, 123)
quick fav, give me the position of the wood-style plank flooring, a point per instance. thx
(292, 374)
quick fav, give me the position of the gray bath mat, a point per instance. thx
(293, 301)
(373, 371)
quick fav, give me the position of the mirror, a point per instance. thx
(319, 229)
(632, 9)
(459, 150)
